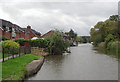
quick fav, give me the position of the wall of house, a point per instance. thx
(7, 34)
(17, 36)
(47, 34)
(31, 33)
(27, 36)
(1, 32)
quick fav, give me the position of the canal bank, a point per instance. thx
(83, 63)
(34, 66)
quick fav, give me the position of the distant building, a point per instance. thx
(13, 31)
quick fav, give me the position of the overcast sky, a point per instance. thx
(79, 15)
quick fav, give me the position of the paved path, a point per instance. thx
(6, 58)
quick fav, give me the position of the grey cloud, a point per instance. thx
(44, 16)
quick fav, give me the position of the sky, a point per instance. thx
(45, 15)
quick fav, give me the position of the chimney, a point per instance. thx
(28, 27)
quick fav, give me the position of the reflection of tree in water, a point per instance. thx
(55, 62)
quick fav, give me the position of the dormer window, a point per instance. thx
(13, 32)
(13, 29)
(7, 29)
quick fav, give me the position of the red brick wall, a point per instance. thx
(48, 33)
(7, 34)
(17, 35)
(0, 32)
(22, 34)
(27, 36)
(32, 35)
(26, 44)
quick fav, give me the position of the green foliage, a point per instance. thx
(79, 39)
(15, 68)
(101, 45)
(114, 18)
(97, 39)
(103, 29)
(72, 34)
(108, 39)
(2, 38)
(41, 43)
(20, 41)
(56, 43)
(10, 46)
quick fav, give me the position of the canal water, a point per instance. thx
(83, 63)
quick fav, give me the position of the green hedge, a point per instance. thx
(2, 38)
(21, 41)
(10, 46)
(112, 47)
(41, 43)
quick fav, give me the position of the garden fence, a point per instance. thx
(21, 51)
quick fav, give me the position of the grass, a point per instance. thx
(15, 68)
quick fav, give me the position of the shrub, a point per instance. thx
(10, 46)
(101, 45)
(20, 41)
(56, 43)
(2, 38)
(41, 43)
(109, 38)
(97, 39)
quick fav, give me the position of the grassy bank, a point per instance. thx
(111, 48)
(15, 68)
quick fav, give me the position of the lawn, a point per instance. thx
(15, 68)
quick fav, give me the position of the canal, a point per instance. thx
(83, 63)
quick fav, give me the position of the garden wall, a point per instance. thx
(39, 51)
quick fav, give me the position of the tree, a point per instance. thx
(79, 39)
(56, 43)
(110, 26)
(114, 18)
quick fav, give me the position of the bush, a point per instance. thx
(41, 43)
(109, 38)
(56, 43)
(20, 41)
(97, 39)
(101, 45)
(2, 38)
(10, 46)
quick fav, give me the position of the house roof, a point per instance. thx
(33, 31)
(5, 23)
(48, 33)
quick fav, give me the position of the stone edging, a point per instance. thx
(34, 66)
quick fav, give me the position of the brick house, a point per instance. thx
(30, 33)
(64, 36)
(47, 34)
(13, 31)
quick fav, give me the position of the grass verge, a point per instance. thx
(15, 68)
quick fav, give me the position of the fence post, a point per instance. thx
(13, 53)
(24, 50)
(19, 51)
(3, 53)
(30, 49)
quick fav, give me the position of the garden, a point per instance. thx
(14, 67)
